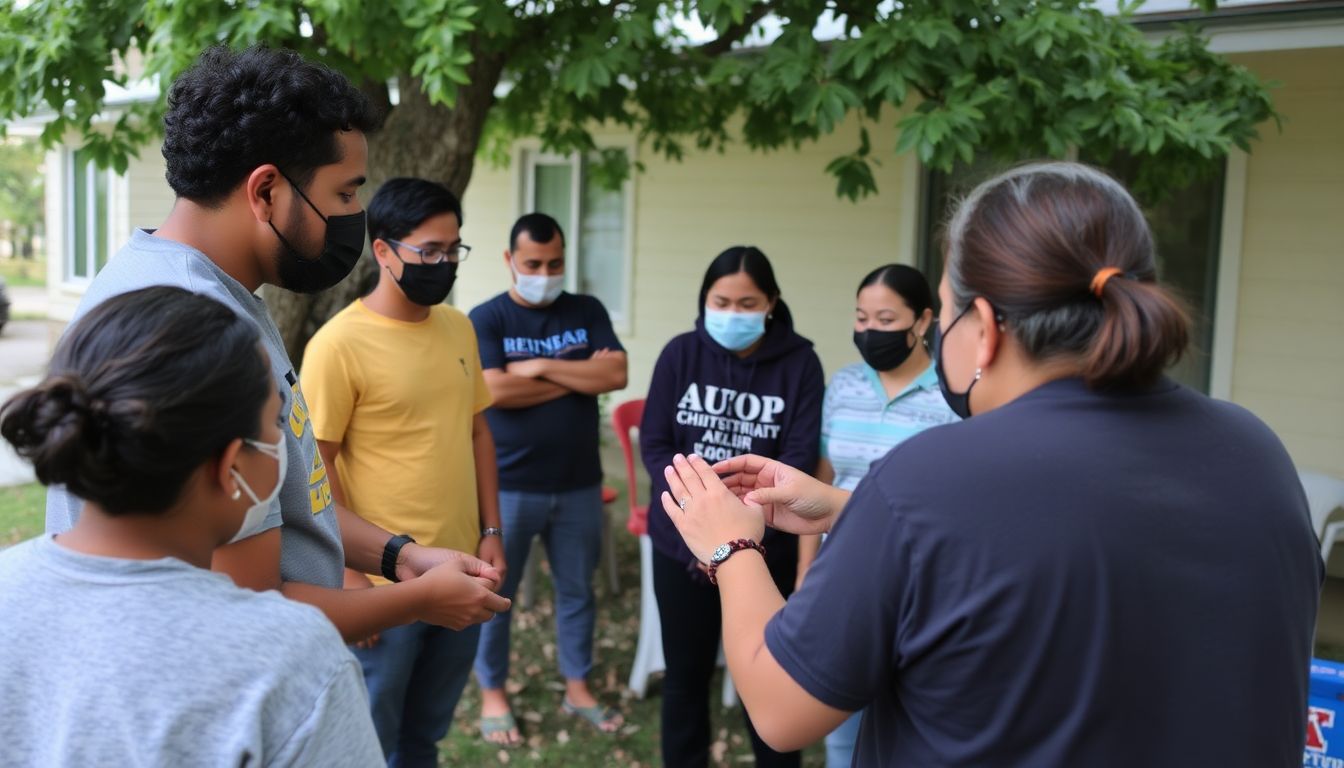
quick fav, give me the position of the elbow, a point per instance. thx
(621, 381)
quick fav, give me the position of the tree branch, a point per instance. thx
(735, 32)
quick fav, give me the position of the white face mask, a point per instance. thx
(539, 289)
(256, 514)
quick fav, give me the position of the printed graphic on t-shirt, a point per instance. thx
(319, 486)
(731, 420)
(555, 345)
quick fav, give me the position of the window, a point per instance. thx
(87, 219)
(1186, 227)
(595, 220)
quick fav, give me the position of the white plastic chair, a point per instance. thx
(649, 651)
(1325, 494)
(625, 419)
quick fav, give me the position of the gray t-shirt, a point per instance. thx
(311, 550)
(107, 661)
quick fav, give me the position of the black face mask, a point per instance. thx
(342, 245)
(959, 403)
(427, 284)
(884, 350)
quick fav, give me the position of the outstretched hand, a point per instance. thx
(789, 499)
(704, 511)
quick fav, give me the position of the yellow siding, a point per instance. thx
(1289, 358)
(687, 212)
(150, 199)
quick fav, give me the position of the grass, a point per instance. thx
(24, 272)
(22, 512)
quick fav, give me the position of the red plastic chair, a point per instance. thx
(624, 419)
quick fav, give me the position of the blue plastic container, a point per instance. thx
(1325, 716)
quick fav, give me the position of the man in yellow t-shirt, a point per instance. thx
(397, 403)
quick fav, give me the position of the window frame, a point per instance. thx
(1220, 284)
(72, 258)
(528, 156)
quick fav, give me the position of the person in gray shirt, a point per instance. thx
(265, 152)
(118, 646)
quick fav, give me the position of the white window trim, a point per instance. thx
(527, 154)
(117, 190)
(1223, 354)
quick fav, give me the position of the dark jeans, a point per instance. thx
(415, 674)
(689, 608)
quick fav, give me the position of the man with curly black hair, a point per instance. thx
(265, 152)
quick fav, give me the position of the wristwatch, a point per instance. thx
(492, 532)
(390, 552)
(725, 551)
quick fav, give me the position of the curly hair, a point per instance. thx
(235, 110)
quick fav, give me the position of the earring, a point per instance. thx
(237, 494)
(977, 375)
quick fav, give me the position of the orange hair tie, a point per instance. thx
(1099, 279)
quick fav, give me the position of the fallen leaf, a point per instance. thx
(718, 749)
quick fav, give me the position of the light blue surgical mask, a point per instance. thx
(734, 331)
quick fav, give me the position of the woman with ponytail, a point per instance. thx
(1097, 566)
(118, 646)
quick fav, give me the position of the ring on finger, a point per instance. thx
(683, 502)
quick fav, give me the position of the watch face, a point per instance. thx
(721, 553)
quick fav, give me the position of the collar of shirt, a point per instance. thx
(924, 381)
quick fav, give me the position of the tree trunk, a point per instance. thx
(417, 139)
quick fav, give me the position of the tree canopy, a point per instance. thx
(459, 79)
(1012, 78)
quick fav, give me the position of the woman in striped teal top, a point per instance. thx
(872, 406)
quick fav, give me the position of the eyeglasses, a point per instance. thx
(456, 254)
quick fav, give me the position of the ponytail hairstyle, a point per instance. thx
(142, 391)
(1063, 253)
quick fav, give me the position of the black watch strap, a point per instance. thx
(390, 552)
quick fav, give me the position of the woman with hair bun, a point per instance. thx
(118, 646)
(1096, 567)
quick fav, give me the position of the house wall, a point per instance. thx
(140, 198)
(1288, 361)
(687, 212)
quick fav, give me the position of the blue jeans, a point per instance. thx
(840, 742)
(415, 674)
(570, 526)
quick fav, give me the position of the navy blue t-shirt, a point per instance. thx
(1073, 579)
(553, 446)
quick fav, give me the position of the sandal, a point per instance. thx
(491, 726)
(597, 715)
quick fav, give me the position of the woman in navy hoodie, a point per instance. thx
(742, 382)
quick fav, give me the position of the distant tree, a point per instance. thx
(21, 196)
